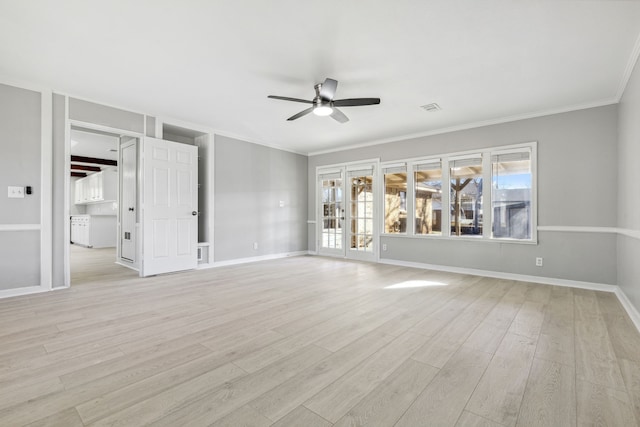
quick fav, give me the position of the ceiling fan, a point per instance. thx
(325, 105)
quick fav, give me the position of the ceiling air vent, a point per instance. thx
(431, 107)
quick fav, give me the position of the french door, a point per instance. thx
(347, 211)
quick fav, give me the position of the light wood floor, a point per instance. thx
(311, 341)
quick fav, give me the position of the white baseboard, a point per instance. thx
(630, 309)
(252, 259)
(7, 293)
(127, 265)
(508, 276)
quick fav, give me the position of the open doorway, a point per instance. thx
(94, 206)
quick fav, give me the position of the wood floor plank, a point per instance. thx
(163, 403)
(550, 396)
(622, 332)
(450, 310)
(469, 419)
(631, 375)
(17, 395)
(282, 399)
(302, 416)
(51, 403)
(356, 329)
(490, 332)
(384, 405)
(244, 416)
(125, 395)
(439, 349)
(528, 321)
(499, 393)
(557, 338)
(56, 368)
(444, 399)
(595, 357)
(599, 406)
(67, 418)
(210, 407)
(343, 394)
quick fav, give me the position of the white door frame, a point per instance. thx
(69, 123)
(135, 142)
(344, 167)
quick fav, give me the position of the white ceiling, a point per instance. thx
(90, 144)
(214, 62)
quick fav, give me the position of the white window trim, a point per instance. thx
(486, 154)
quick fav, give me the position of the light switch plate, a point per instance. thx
(16, 192)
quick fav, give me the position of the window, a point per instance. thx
(446, 195)
(395, 199)
(466, 196)
(428, 197)
(511, 183)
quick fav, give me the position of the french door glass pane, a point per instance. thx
(332, 214)
(361, 210)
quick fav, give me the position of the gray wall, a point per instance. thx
(576, 187)
(628, 180)
(20, 165)
(90, 112)
(250, 180)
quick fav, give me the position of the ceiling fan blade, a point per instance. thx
(328, 90)
(339, 116)
(286, 98)
(300, 114)
(355, 102)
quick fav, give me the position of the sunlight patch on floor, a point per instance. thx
(415, 284)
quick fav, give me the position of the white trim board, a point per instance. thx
(631, 64)
(635, 234)
(46, 190)
(27, 290)
(20, 227)
(252, 259)
(629, 308)
(502, 275)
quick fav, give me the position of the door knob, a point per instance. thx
(130, 209)
(194, 213)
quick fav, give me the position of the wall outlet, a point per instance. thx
(15, 192)
(539, 262)
(281, 204)
(384, 246)
(255, 246)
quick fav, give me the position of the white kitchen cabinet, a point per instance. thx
(98, 187)
(94, 231)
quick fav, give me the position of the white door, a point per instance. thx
(347, 212)
(128, 201)
(170, 204)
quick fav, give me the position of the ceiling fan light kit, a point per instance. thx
(324, 105)
(322, 110)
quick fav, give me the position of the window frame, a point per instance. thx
(487, 193)
(383, 172)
